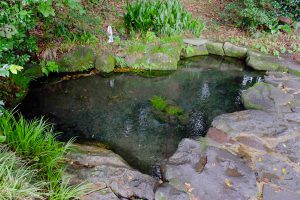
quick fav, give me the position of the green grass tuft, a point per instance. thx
(35, 141)
(16, 178)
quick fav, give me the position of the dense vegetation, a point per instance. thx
(166, 17)
(42, 174)
(24, 23)
(262, 14)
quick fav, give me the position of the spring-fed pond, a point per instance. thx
(116, 111)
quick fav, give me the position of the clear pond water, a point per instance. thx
(115, 110)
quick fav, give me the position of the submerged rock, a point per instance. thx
(96, 165)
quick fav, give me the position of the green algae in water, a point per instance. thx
(158, 103)
(115, 110)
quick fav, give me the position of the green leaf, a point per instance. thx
(15, 68)
(2, 139)
(46, 9)
(4, 72)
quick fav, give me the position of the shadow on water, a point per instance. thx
(115, 110)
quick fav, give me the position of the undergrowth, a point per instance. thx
(167, 17)
(35, 141)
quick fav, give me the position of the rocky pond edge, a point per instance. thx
(250, 154)
(165, 56)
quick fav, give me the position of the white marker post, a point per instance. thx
(110, 34)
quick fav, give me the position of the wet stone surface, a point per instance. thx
(275, 193)
(251, 121)
(224, 176)
(96, 165)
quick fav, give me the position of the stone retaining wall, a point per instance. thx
(85, 58)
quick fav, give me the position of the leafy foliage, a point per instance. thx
(167, 17)
(50, 66)
(14, 69)
(262, 14)
(17, 21)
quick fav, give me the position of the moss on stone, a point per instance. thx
(80, 59)
(105, 62)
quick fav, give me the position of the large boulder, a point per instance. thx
(206, 172)
(264, 62)
(81, 59)
(277, 170)
(160, 61)
(194, 47)
(190, 51)
(287, 82)
(231, 50)
(168, 192)
(215, 48)
(271, 192)
(100, 166)
(105, 62)
(254, 122)
(266, 97)
(152, 61)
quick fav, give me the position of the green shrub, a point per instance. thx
(261, 14)
(158, 103)
(18, 18)
(166, 17)
(288, 8)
